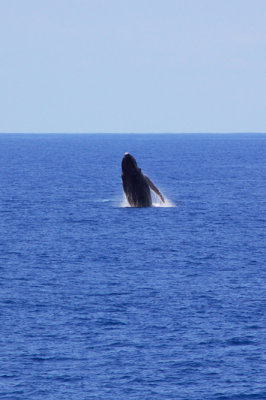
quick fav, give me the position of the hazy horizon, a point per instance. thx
(132, 133)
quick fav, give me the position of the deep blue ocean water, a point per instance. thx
(102, 301)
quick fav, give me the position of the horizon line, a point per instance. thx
(134, 133)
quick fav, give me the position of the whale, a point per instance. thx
(137, 186)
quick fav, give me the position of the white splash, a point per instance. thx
(156, 202)
(167, 203)
(124, 202)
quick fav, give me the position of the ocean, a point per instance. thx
(102, 301)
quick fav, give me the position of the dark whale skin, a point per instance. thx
(136, 185)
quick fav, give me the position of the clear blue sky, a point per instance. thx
(133, 66)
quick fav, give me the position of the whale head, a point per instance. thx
(129, 164)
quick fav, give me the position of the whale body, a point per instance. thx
(136, 185)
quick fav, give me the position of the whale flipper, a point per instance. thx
(154, 188)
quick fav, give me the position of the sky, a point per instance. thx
(79, 66)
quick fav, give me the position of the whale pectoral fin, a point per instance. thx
(155, 189)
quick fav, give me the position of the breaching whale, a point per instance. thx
(136, 185)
